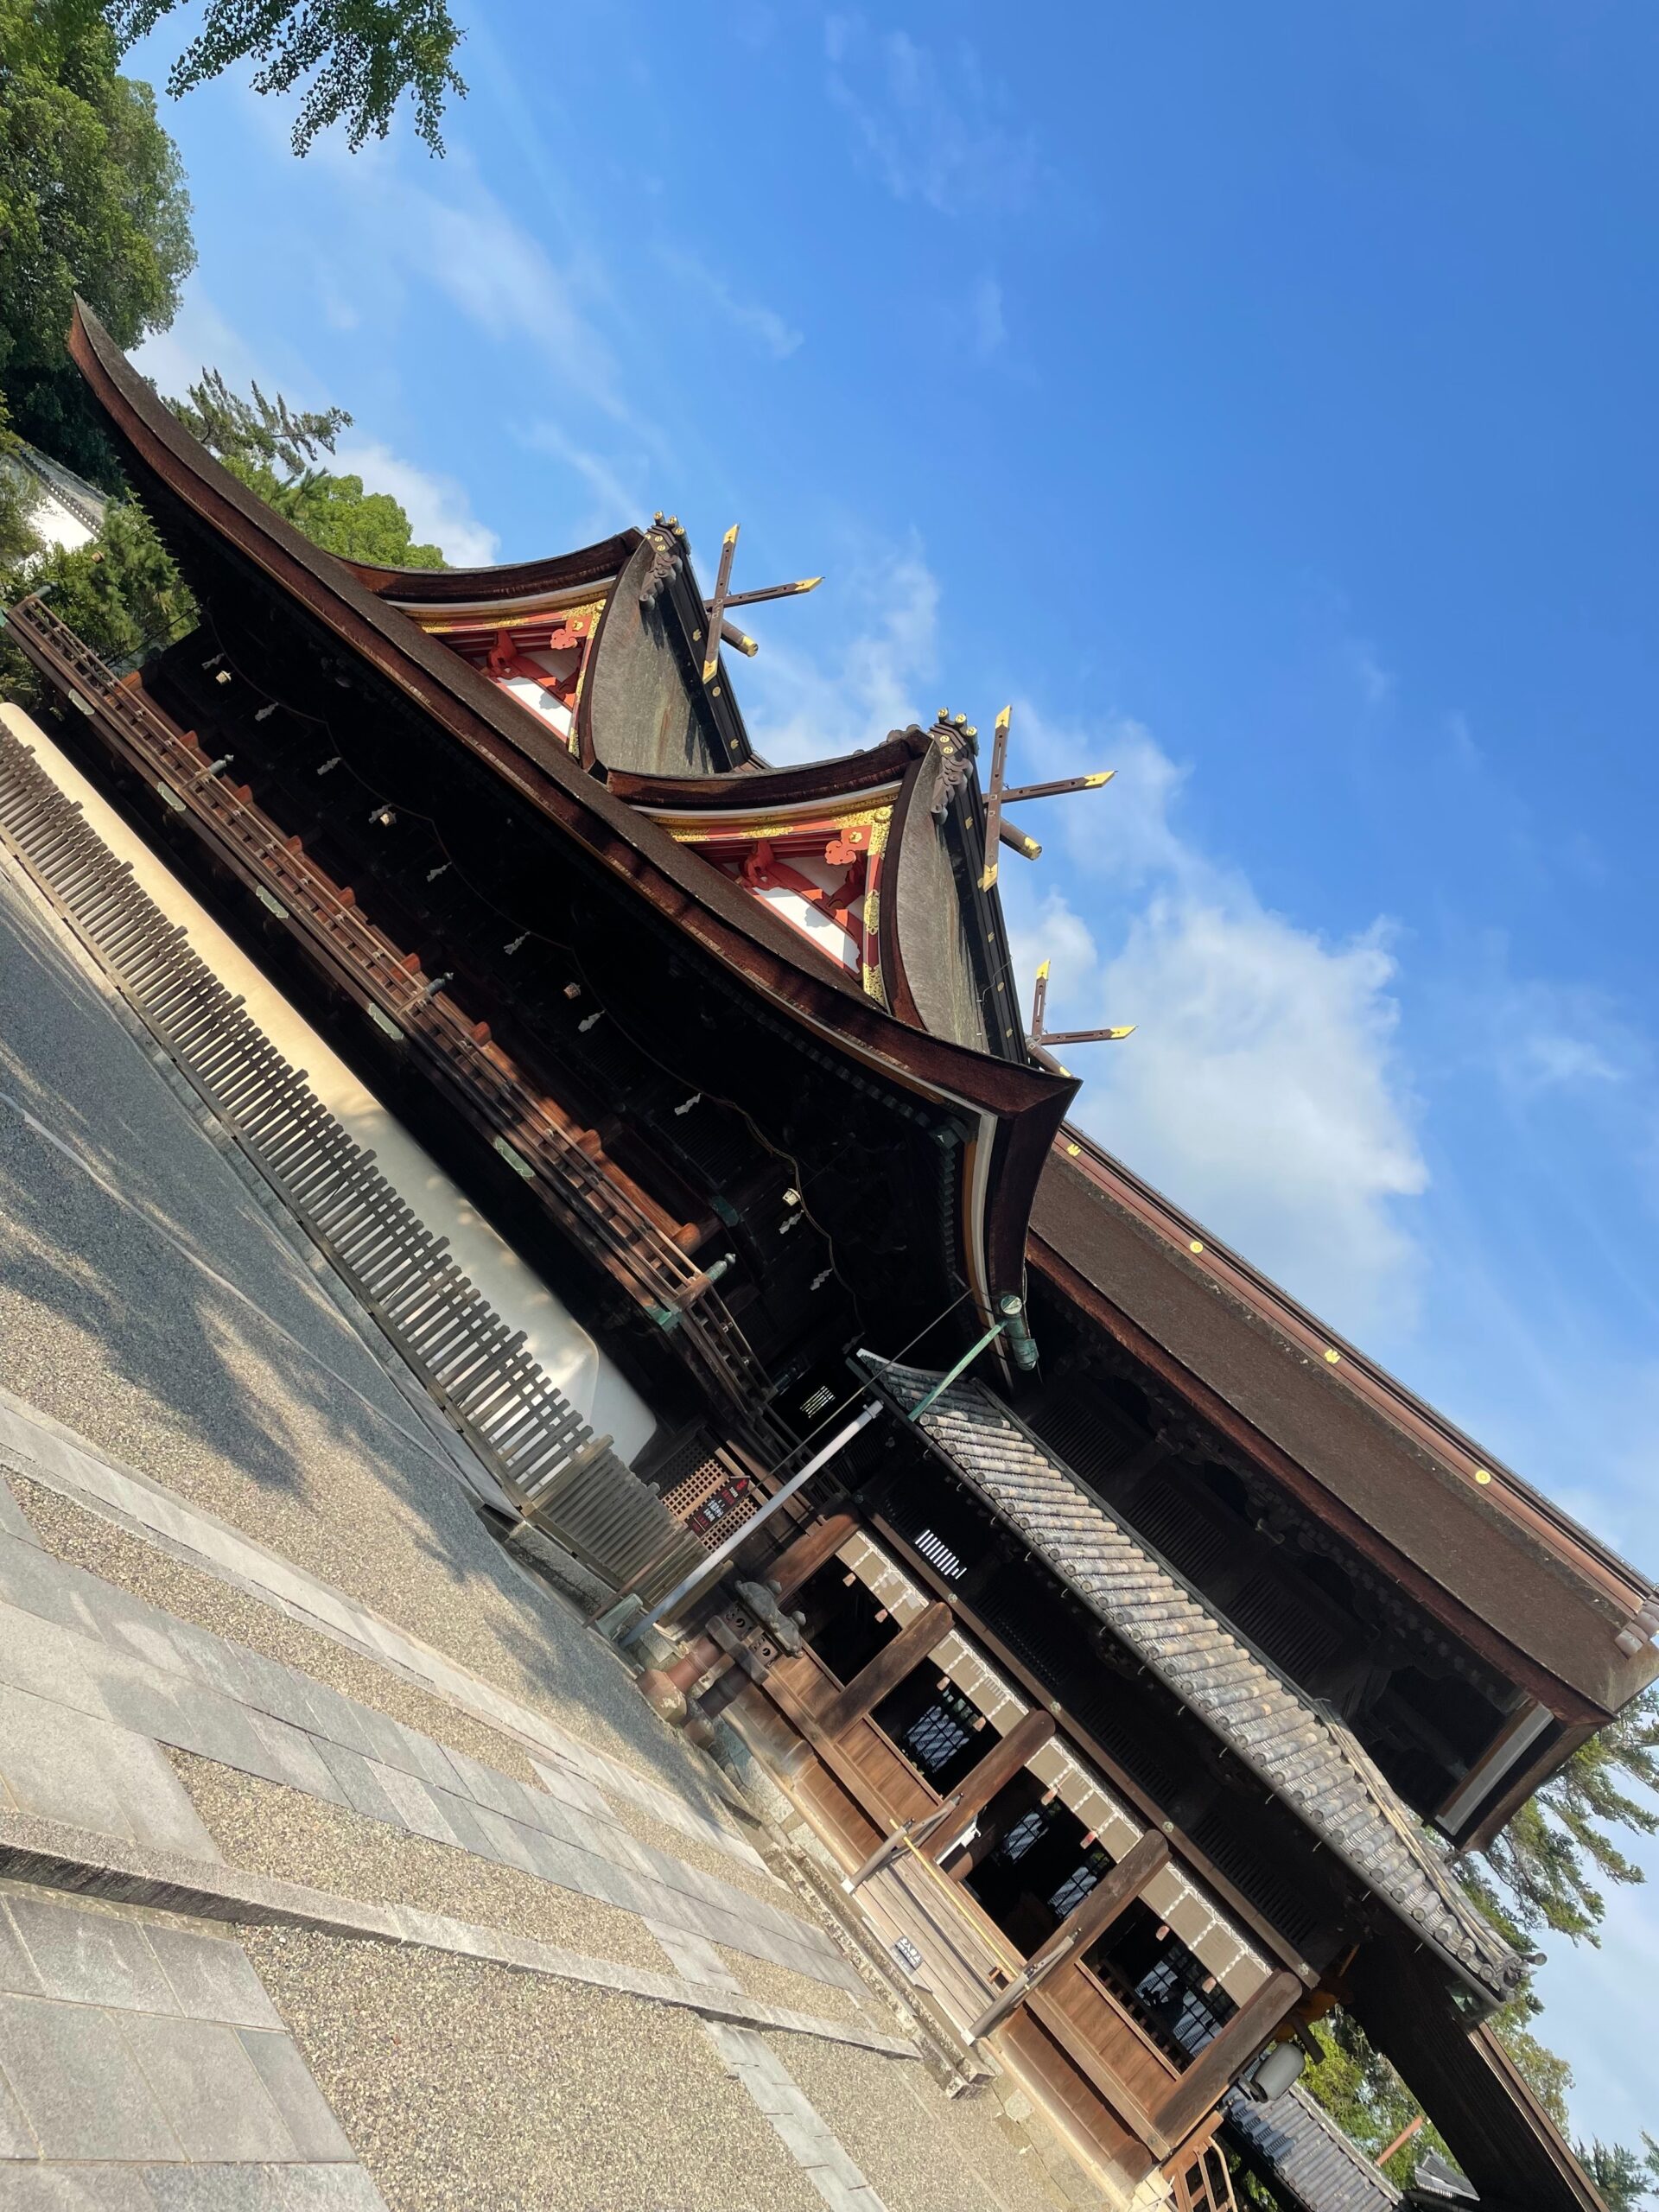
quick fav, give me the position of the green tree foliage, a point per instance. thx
(91, 199)
(18, 539)
(1628, 2180)
(354, 59)
(275, 450)
(1553, 1856)
(1366, 2098)
(122, 595)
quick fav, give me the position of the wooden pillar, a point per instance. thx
(887, 1670)
(813, 1549)
(1115, 1890)
(1086, 1920)
(994, 1771)
(1225, 2055)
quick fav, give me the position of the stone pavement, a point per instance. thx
(190, 1416)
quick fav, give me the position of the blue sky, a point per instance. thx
(1263, 400)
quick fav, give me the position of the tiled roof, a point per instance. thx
(1312, 2163)
(1309, 1759)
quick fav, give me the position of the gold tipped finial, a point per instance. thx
(1102, 776)
(1004, 718)
(1042, 973)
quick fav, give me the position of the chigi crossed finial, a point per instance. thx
(721, 631)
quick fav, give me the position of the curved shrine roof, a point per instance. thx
(1009, 1112)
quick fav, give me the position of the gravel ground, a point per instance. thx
(263, 1829)
(466, 2089)
(776, 1985)
(223, 1372)
(691, 1852)
(919, 2150)
(85, 1538)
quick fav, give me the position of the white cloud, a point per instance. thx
(1543, 1037)
(1262, 1088)
(439, 511)
(928, 129)
(763, 327)
(1375, 682)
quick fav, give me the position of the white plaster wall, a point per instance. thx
(591, 1381)
(53, 523)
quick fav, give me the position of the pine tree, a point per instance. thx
(1551, 1857)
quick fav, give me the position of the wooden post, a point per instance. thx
(994, 1771)
(1092, 1914)
(1087, 1920)
(887, 1670)
(814, 1548)
(1225, 2055)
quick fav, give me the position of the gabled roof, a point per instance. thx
(1312, 2162)
(1311, 1761)
(1008, 1113)
(1523, 1581)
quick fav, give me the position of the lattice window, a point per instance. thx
(712, 1502)
(1072, 1892)
(1203, 2185)
(1021, 1836)
(938, 1734)
(1096, 1862)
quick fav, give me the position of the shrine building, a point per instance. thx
(1143, 1656)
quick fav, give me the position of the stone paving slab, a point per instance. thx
(201, 1694)
(49, 1855)
(130, 2047)
(50, 1454)
(207, 2188)
(62, 1764)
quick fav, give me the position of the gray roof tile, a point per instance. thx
(1312, 2163)
(1309, 1759)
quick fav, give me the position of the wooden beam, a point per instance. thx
(1226, 2056)
(994, 796)
(814, 1548)
(717, 606)
(994, 1772)
(1110, 1897)
(1147, 1856)
(887, 1670)
(766, 591)
(1056, 790)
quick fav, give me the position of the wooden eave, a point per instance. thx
(513, 583)
(764, 801)
(1010, 1113)
(1538, 1596)
(763, 790)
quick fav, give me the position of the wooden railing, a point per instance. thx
(541, 1451)
(596, 1205)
